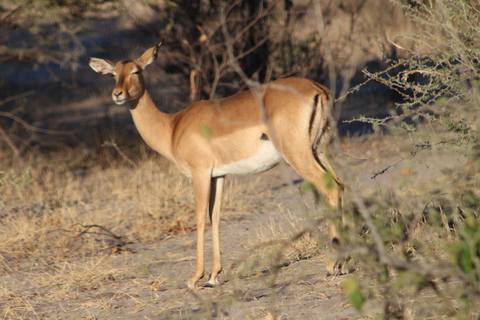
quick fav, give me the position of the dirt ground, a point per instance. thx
(148, 280)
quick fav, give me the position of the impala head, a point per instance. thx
(127, 74)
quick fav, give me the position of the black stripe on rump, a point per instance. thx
(314, 114)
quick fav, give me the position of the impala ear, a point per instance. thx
(101, 66)
(149, 56)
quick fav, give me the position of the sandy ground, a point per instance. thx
(148, 281)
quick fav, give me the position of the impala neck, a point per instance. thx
(151, 123)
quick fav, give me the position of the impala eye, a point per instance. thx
(136, 72)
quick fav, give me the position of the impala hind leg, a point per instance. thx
(216, 192)
(317, 169)
(335, 265)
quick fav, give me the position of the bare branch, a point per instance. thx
(12, 145)
(88, 227)
(10, 14)
(16, 97)
(32, 128)
(123, 155)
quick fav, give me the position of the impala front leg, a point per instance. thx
(201, 183)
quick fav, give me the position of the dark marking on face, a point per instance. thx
(126, 61)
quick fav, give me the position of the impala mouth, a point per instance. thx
(119, 100)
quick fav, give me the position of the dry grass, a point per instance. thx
(49, 205)
(59, 258)
(51, 268)
(67, 233)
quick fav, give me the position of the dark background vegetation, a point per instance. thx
(45, 45)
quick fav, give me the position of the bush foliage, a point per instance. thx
(437, 80)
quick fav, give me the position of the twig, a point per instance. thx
(328, 53)
(352, 90)
(405, 73)
(9, 14)
(15, 97)
(385, 170)
(365, 214)
(88, 227)
(116, 244)
(380, 172)
(32, 128)
(123, 155)
(12, 145)
(395, 44)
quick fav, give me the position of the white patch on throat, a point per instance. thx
(266, 158)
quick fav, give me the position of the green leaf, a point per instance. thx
(352, 289)
(441, 100)
(307, 187)
(329, 180)
(206, 133)
(463, 257)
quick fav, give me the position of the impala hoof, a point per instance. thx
(338, 268)
(192, 284)
(211, 283)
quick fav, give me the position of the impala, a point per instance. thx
(250, 132)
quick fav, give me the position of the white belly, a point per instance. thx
(266, 158)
